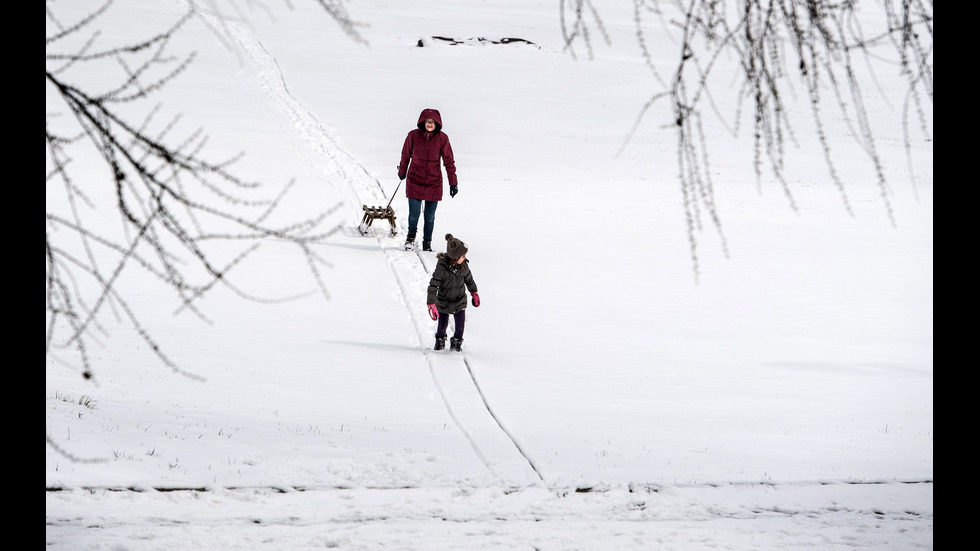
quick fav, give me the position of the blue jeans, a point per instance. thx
(414, 210)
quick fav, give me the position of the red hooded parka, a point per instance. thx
(423, 149)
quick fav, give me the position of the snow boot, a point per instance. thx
(410, 242)
(427, 246)
(440, 343)
(456, 344)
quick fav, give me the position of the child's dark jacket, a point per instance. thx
(449, 283)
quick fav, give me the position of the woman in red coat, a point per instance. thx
(423, 149)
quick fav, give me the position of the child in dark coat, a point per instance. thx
(446, 294)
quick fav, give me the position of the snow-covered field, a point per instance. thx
(606, 398)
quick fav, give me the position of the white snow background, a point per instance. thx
(606, 396)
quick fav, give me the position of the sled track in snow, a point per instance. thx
(496, 419)
(476, 385)
(327, 156)
(402, 288)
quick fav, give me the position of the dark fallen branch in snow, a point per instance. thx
(477, 40)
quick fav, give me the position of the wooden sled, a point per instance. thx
(379, 213)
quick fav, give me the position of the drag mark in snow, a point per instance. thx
(497, 419)
(328, 156)
(483, 397)
(402, 288)
(449, 408)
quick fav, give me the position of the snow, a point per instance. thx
(607, 396)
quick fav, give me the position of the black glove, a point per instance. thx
(453, 190)
(400, 177)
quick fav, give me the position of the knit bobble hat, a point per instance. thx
(454, 248)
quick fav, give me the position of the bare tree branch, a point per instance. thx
(181, 214)
(818, 43)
